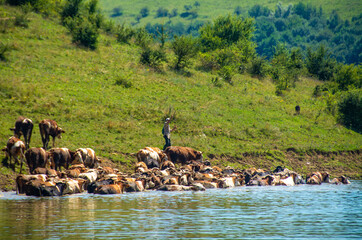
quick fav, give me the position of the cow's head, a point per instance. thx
(77, 157)
(199, 155)
(49, 163)
(325, 177)
(59, 132)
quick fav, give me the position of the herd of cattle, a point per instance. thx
(174, 169)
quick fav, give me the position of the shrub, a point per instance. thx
(153, 58)
(320, 63)
(109, 26)
(124, 34)
(22, 20)
(142, 37)
(71, 9)
(225, 31)
(227, 73)
(144, 12)
(161, 12)
(328, 87)
(215, 81)
(19, 2)
(117, 11)
(173, 13)
(84, 33)
(238, 11)
(350, 110)
(4, 49)
(348, 76)
(259, 67)
(124, 81)
(184, 48)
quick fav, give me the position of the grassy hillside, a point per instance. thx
(85, 91)
(210, 9)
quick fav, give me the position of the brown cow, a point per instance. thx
(340, 180)
(317, 178)
(23, 126)
(36, 157)
(49, 128)
(60, 157)
(15, 148)
(150, 156)
(182, 154)
(86, 156)
(109, 189)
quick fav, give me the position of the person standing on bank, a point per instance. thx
(166, 131)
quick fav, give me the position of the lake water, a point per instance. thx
(301, 212)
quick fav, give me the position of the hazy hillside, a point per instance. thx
(301, 24)
(210, 9)
(107, 100)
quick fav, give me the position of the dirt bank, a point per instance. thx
(347, 163)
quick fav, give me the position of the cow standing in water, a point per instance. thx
(23, 126)
(49, 128)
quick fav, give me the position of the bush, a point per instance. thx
(144, 12)
(117, 11)
(153, 58)
(124, 81)
(142, 37)
(22, 20)
(325, 88)
(124, 34)
(71, 9)
(227, 73)
(348, 76)
(84, 33)
(225, 31)
(184, 48)
(4, 49)
(350, 110)
(259, 67)
(320, 63)
(161, 12)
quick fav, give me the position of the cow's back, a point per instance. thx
(36, 157)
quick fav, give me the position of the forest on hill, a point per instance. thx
(111, 86)
(295, 24)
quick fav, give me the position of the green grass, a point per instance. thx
(46, 76)
(210, 9)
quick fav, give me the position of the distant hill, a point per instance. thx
(307, 24)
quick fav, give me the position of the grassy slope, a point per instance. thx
(209, 9)
(48, 77)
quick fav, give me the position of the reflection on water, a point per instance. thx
(326, 211)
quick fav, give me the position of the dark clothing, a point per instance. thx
(168, 142)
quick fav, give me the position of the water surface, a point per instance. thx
(301, 212)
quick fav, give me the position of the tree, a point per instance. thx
(348, 76)
(225, 31)
(71, 9)
(184, 48)
(161, 12)
(320, 63)
(144, 12)
(117, 11)
(258, 11)
(350, 110)
(238, 10)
